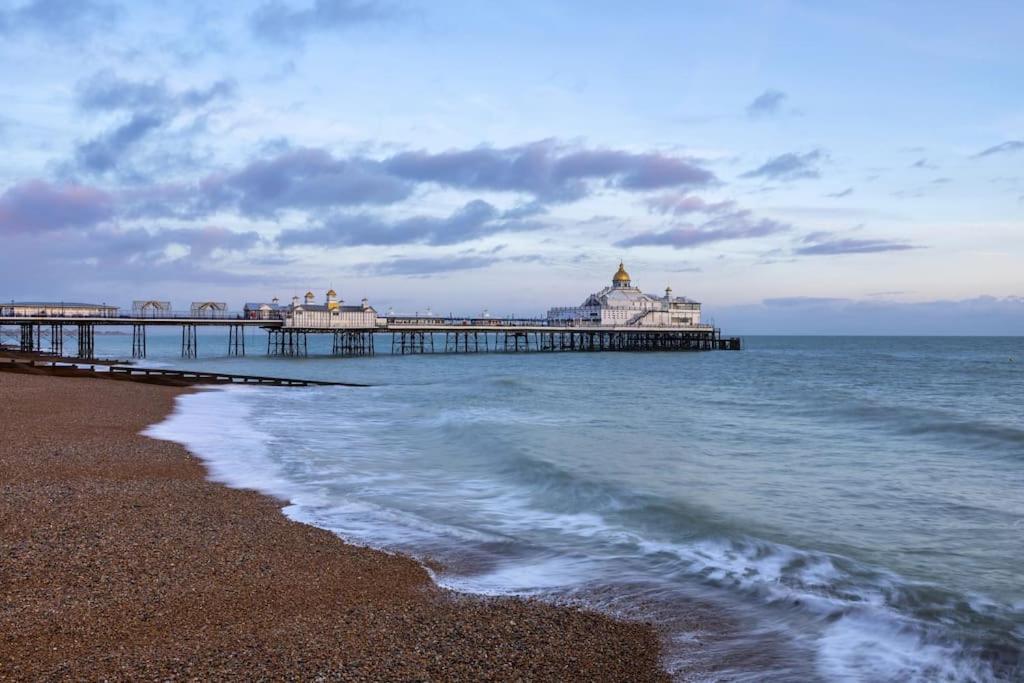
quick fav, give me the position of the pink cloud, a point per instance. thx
(38, 206)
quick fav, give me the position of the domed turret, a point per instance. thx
(621, 277)
(309, 297)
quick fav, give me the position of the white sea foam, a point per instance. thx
(882, 647)
(218, 427)
(521, 578)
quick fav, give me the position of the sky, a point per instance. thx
(798, 167)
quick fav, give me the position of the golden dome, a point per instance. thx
(331, 292)
(621, 275)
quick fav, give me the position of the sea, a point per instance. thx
(809, 508)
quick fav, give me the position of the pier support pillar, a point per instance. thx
(57, 339)
(138, 340)
(189, 342)
(461, 342)
(412, 342)
(236, 340)
(352, 343)
(287, 343)
(28, 341)
(86, 340)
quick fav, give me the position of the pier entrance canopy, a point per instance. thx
(150, 308)
(208, 309)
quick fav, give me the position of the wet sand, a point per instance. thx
(119, 560)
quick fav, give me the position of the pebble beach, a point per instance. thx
(119, 560)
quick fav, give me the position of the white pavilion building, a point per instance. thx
(622, 304)
(305, 313)
(333, 313)
(62, 309)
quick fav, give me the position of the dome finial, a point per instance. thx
(621, 277)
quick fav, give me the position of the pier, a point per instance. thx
(404, 336)
(619, 317)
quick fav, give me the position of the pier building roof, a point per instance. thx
(58, 304)
(623, 293)
(622, 303)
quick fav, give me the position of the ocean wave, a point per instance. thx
(535, 527)
(924, 421)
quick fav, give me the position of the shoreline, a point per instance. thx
(123, 560)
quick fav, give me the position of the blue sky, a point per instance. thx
(796, 166)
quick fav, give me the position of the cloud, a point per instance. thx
(60, 17)
(303, 178)
(88, 258)
(789, 166)
(1001, 148)
(924, 163)
(105, 91)
(100, 281)
(825, 243)
(790, 301)
(430, 265)
(89, 245)
(684, 204)
(839, 195)
(36, 206)
(312, 179)
(103, 153)
(117, 248)
(737, 225)
(279, 23)
(767, 103)
(525, 210)
(549, 171)
(436, 265)
(201, 243)
(151, 106)
(474, 220)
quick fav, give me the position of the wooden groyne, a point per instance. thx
(7, 353)
(158, 375)
(225, 377)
